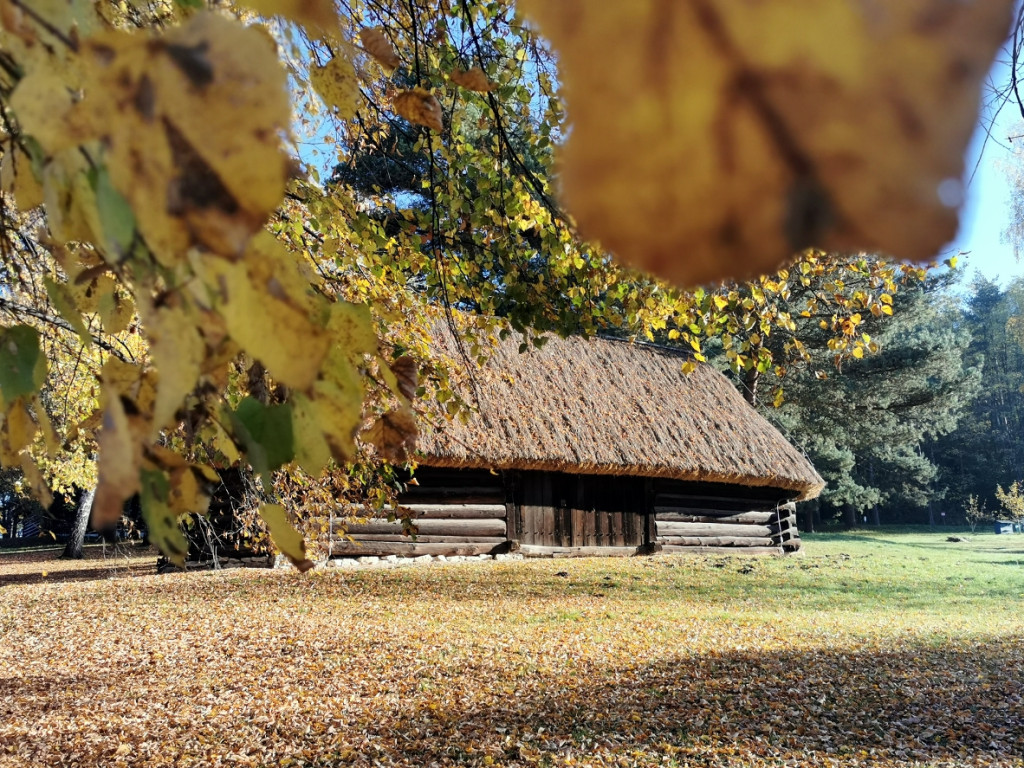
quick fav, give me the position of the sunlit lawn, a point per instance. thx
(877, 649)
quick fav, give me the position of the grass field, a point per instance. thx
(871, 649)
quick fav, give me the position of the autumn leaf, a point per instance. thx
(22, 364)
(162, 522)
(336, 83)
(284, 536)
(770, 136)
(394, 434)
(267, 432)
(178, 351)
(419, 106)
(117, 467)
(376, 43)
(404, 368)
(317, 16)
(472, 80)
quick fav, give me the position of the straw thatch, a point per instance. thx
(598, 406)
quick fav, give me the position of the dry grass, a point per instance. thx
(892, 651)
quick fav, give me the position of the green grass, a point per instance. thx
(869, 648)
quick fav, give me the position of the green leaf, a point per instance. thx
(22, 365)
(116, 214)
(284, 536)
(64, 303)
(164, 531)
(267, 433)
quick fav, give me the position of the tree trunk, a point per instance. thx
(849, 516)
(73, 549)
(750, 385)
(808, 521)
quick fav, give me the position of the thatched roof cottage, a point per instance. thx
(597, 446)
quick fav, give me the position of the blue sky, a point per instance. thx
(985, 212)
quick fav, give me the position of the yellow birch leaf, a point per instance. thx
(269, 324)
(336, 83)
(117, 466)
(284, 536)
(17, 178)
(377, 45)
(311, 449)
(196, 149)
(36, 482)
(114, 306)
(18, 431)
(317, 16)
(42, 103)
(419, 106)
(227, 96)
(772, 136)
(472, 80)
(186, 495)
(50, 438)
(64, 302)
(405, 371)
(351, 329)
(178, 352)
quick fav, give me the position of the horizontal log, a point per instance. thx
(424, 527)
(717, 541)
(710, 529)
(682, 515)
(674, 550)
(418, 510)
(379, 548)
(455, 511)
(715, 502)
(429, 539)
(454, 491)
(535, 550)
(494, 497)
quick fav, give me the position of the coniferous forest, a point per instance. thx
(928, 428)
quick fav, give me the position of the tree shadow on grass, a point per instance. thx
(943, 705)
(952, 704)
(45, 566)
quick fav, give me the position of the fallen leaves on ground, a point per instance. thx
(646, 661)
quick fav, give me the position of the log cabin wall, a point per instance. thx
(454, 511)
(539, 513)
(722, 517)
(565, 514)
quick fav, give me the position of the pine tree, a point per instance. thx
(869, 429)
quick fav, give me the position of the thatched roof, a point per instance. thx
(598, 406)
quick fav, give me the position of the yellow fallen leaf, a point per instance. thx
(419, 106)
(715, 140)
